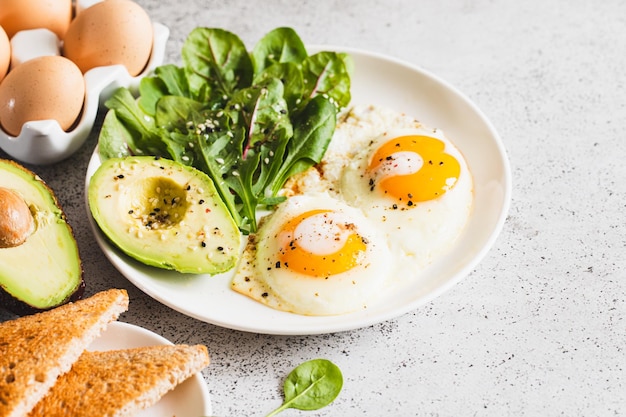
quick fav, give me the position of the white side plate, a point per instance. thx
(191, 398)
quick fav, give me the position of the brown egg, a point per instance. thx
(5, 53)
(44, 88)
(16, 15)
(16, 220)
(108, 33)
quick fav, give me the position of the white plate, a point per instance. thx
(189, 399)
(383, 81)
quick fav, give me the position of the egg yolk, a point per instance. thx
(317, 244)
(413, 168)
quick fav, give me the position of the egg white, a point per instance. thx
(420, 232)
(262, 277)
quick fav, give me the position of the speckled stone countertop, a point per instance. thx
(538, 327)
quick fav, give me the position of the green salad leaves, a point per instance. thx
(249, 119)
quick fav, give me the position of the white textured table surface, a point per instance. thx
(538, 328)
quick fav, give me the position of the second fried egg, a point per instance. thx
(415, 184)
(314, 256)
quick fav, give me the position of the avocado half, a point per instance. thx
(164, 214)
(45, 270)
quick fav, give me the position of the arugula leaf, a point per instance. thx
(311, 386)
(219, 163)
(261, 112)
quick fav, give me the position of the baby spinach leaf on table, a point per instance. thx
(311, 386)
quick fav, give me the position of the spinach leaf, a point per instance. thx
(217, 60)
(278, 46)
(291, 77)
(175, 80)
(172, 113)
(325, 73)
(311, 386)
(313, 132)
(128, 130)
(115, 138)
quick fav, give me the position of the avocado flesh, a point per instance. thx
(45, 271)
(164, 214)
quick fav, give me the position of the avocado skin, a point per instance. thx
(22, 307)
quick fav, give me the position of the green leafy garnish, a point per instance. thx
(311, 386)
(249, 119)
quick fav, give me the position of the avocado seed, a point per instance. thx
(16, 220)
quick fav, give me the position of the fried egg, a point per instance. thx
(314, 255)
(409, 180)
(389, 198)
(416, 186)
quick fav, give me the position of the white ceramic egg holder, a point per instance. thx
(44, 142)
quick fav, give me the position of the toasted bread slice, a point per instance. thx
(119, 383)
(35, 350)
